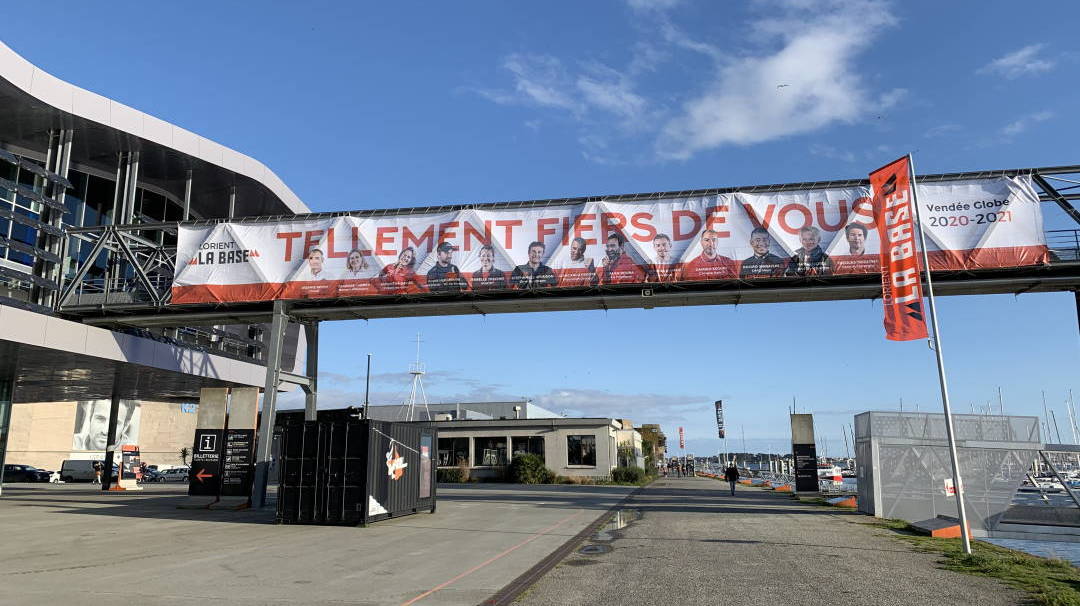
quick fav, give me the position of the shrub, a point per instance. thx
(628, 475)
(530, 469)
(449, 475)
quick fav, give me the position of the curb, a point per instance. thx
(512, 590)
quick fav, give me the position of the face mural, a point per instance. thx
(92, 424)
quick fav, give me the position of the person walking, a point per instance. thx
(98, 467)
(731, 474)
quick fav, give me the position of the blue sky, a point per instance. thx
(374, 105)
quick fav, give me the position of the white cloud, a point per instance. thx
(542, 80)
(1021, 124)
(613, 95)
(1019, 63)
(341, 390)
(807, 82)
(832, 153)
(942, 130)
(891, 98)
(639, 407)
(792, 71)
(652, 5)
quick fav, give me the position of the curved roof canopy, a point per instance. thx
(36, 102)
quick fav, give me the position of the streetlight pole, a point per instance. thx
(367, 388)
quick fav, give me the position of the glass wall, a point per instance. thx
(528, 445)
(453, 451)
(489, 451)
(581, 450)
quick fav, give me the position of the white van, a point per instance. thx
(81, 470)
(77, 470)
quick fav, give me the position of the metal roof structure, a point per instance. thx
(36, 103)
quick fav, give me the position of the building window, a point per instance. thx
(489, 451)
(581, 450)
(528, 445)
(453, 451)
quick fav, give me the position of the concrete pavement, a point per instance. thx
(72, 545)
(687, 541)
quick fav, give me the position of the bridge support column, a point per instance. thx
(311, 390)
(265, 442)
(1076, 294)
(107, 478)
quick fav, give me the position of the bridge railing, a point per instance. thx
(128, 267)
(1064, 244)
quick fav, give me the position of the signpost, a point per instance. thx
(204, 478)
(805, 452)
(237, 467)
(130, 474)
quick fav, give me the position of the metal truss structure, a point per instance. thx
(125, 279)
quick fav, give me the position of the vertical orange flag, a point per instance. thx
(901, 282)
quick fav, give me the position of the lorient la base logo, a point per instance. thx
(395, 463)
(222, 253)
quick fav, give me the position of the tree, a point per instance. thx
(185, 452)
(627, 456)
(648, 447)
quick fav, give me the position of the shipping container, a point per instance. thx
(342, 470)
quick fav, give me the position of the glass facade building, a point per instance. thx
(73, 160)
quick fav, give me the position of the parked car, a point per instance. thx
(24, 473)
(151, 475)
(176, 474)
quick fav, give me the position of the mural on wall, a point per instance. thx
(92, 424)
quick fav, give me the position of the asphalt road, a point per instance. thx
(71, 544)
(687, 541)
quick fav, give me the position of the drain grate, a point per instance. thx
(594, 549)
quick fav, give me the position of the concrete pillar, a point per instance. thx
(114, 413)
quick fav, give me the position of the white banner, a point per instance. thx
(970, 224)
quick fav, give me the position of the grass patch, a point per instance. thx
(1050, 582)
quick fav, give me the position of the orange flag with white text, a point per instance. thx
(901, 283)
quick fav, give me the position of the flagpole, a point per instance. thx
(958, 484)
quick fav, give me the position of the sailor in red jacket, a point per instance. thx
(709, 265)
(617, 266)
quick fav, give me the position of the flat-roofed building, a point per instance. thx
(574, 447)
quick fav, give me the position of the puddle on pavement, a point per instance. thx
(599, 543)
(621, 519)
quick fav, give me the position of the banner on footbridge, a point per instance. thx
(752, 235)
